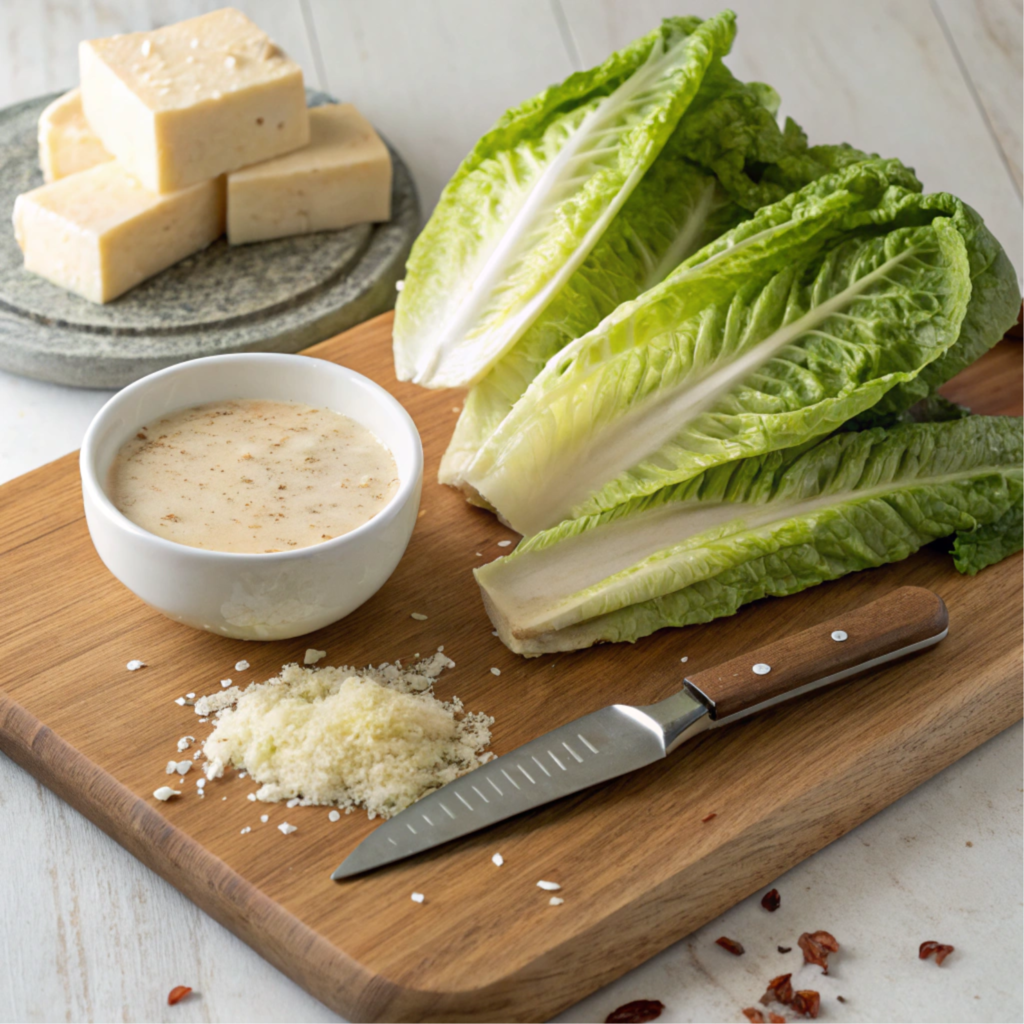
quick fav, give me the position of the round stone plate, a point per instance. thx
(278, 296)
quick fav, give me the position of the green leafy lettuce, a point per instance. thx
(535, 195)
(712, 174)
(771, 525)
(776, 333)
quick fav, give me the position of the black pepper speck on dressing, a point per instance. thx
(252, 476)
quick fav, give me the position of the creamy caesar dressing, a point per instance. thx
(252, 475)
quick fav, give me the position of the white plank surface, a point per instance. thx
(89, 934)
(988, 37)
(434, 75)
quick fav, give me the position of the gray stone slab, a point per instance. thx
(277, 296)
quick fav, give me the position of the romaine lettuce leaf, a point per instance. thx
(533, 198)
(766, 526)
(779, 332)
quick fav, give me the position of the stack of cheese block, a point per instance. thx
(179, 134)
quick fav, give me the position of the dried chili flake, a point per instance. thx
(753, 1015)
(776, 1018)
(779, 990)
(731, 945)
(940, 949)
(784, 949)
(806, 1002)
(177, 994)
(708, 817)
(637, 1012)
(816, 947)
(771, 901)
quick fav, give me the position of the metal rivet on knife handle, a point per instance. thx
(889, 627)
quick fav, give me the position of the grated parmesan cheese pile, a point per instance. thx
(376, 738)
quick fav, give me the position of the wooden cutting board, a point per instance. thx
(638, 866)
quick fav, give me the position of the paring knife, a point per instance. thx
(621, 738)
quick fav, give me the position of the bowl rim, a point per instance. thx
(94, 492)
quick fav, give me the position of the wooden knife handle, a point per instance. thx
(903, 621)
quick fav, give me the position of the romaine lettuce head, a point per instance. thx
(528, 205)
(765, 526)
(712, 173)
(778, 332)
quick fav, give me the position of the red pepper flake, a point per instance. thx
(177, 994)
(776, 1018)
(637, 1012)
(731, 945)
(708, 817)
(816, 947)
(779, 990)
(784, 949)
(754, 1015)
(941, 951)
(771, 901)
(806, 1002)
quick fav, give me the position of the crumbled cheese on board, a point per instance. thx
(498, 860)
(549, 886)
(555, 901)
(214, 702)
(184, 743)
(418, 897)
(241, 666)
(375, 738)
(165, 793)
(418, 616)
(171, 767)
(134, 665)
(287, 829)
(313, 656)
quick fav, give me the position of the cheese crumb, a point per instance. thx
(200, 783)
(684, 660)
(134, 665)
(399, 285)
(548, 886)
(182, 767)
(555, 901)
(287, 829)
(190, 696)
(171, 766)
(179, 701)
(241, 666)
(294, 802)
(225, 683)
(313, 656)
(376, 738)
(418, 616)
(334, 816)
(264, 818)
(495, 671)
(418, 897)
(214, 702)
(184, 743)
(504, 543)
(165, 793)
(244, 831)
(250, 796)
(498, 860)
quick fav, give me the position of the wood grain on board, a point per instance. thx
(639, 868)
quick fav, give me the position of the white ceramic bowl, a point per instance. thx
(253, 596)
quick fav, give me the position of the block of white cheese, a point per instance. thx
(342, 177)
(188, 102)
(67, 144)
(99, 233)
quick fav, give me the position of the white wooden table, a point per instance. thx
(87, 933)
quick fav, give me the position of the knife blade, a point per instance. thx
(623, 738)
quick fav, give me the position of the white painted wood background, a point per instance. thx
(87, 933)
